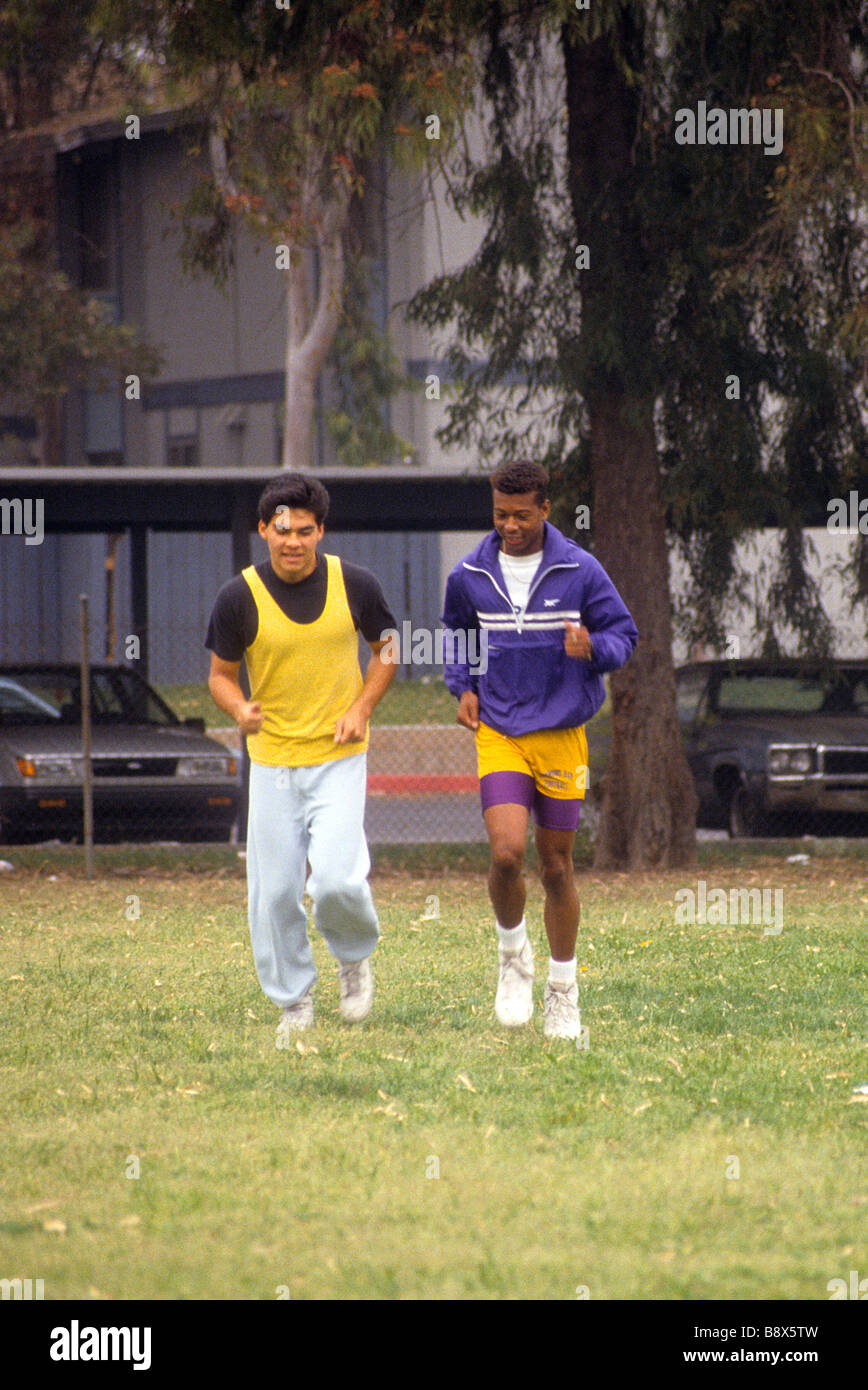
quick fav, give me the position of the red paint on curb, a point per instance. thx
(411, 784)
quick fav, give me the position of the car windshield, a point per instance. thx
(821, 692)
(54, 697)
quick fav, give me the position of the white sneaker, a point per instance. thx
(295, 1018)
(513, 1002)
(561, 1006)
(357, 990)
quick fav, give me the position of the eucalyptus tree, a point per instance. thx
(673, 267)
(293, 101)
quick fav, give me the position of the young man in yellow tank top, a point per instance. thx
(295, 621)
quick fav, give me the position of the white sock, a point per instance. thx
(562, 972)
(512, 938)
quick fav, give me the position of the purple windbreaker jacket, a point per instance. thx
(525, 680)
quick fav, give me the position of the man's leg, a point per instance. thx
(344, 909)
(507, 833)
(561, 916)
(561, 912)
(276, 861)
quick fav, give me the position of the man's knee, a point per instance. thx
(507, 858)
(556, 872)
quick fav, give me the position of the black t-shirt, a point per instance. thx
(235, 618)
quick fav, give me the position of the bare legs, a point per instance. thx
(507, 833)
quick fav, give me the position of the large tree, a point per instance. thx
(687, 319)
(294, 102)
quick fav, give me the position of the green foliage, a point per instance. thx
(53, 336)
(707, 262)
(292, 106)
(367, 374)
(302, 98)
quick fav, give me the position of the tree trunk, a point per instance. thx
(648, 813)
(310, 337)
(649, 804)
(309, 332)
(299, 385)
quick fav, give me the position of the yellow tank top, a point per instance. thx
(305, 676)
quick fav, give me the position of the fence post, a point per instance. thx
(87, 771)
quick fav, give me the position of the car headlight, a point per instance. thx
(45, 769)
(791, 761)
(207, 765)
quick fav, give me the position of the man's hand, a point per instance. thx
(468, 710)
(577, 642)
(351, 726)
(249, 717)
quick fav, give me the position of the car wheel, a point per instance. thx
(745, 816)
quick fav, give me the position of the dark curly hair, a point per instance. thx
(294, 490)
(522, 476)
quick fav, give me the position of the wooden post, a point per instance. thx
(87, 771)
(139, 594)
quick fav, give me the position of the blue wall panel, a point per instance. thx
(40, 587)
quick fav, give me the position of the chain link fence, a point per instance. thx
(187, 783)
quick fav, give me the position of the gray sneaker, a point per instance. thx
(294, 1018)
(561, 1006)
(357, 990)
(513, 1002)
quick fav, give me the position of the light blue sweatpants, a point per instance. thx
(298, 815)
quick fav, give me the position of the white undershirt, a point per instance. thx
(519, 572)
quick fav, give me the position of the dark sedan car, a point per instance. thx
(154, 776)
(777, 745)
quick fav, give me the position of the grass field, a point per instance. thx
(158, 1145)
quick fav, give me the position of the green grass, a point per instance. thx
(141, 1043)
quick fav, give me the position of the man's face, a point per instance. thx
(519, 520)
(291, 536)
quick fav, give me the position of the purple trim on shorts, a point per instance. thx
(498, 788)
(553, 814)
(519, 789)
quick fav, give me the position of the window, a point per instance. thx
(95, 225)
(182, 453)
(689, 689)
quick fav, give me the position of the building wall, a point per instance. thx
(41, 584)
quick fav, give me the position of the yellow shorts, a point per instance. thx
(556, 759)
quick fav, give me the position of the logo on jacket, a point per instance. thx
(550, 602)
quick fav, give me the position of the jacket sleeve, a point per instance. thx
(459, 616)
(608, 620)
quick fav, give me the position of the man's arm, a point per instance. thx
(612, 632)
(458, 615)
(228, 695)
(351, 727)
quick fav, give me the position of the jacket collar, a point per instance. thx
(557, 550)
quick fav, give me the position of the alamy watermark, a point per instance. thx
(740, 125)
(22, 1289)
(419, 646)
(23, 516)
(840, 1288)
(848, 514)
(741, 907)
(77, 1343)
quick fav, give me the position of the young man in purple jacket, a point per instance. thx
(548, 622)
